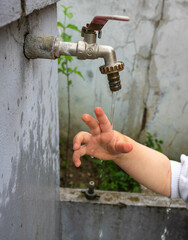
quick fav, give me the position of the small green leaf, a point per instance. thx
(59, 24)
(69, 15)
(70, 82)
(80, 74)
(74, 70)
(63, 65)
(73, 27)
(66, 8)
(69, 70)
(63, 6)
(59, 60)
(68, 58)
(66, 37)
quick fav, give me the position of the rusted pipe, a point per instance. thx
(49, 47)
(39, 47)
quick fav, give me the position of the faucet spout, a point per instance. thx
(108, 54)
(50, 47)
(111, 67)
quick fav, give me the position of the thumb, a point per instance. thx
(123, 147)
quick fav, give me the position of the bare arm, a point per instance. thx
(147, 166)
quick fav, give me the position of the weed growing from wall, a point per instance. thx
(64, 64)
(64, 61)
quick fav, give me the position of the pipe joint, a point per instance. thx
(87, 51)
(50, 47)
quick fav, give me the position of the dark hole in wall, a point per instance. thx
(144, 119)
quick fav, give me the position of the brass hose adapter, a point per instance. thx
(113, 75)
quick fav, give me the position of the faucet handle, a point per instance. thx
(98, 22)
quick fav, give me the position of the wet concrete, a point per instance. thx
(122, 216)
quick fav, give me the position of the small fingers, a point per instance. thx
(81, 137)
(123, 147)
(104, 122)
(92, 124)
(78, 154)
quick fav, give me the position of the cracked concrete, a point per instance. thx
(149, 57)
(29, 134)
(153, 46)
(13, 10)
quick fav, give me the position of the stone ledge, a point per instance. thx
(121, 198)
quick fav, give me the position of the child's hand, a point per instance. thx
(103, 142)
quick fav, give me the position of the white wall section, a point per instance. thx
(154, 47)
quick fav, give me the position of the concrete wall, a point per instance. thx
(154, 47)
(29, 131)
(12, 10)
(122, 216)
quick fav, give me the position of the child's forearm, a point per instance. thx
(147, 166)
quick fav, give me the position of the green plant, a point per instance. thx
(153, 142)
(64, 63)
(114, 178)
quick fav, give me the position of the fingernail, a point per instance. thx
(97, 109)
(77, 164)
(75, 146)
(85, 117)
(130, 146)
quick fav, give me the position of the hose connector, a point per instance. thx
(113, 75)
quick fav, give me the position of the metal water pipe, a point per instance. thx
(50, 47)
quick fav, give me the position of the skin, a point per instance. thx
(147, 166)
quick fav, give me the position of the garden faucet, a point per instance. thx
(50, 47)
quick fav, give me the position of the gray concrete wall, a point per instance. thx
(11, 10)
(122, 216)
(154, 47)
(29, 132)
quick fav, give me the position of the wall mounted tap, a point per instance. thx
(50, 47)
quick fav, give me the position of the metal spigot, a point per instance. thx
(51, 48)
(90, 194)
(111, 67)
